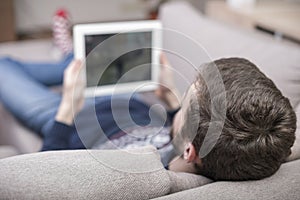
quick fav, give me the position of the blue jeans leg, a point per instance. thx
(24, 91)
(48, 74)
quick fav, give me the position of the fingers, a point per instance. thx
(73, 76)
(164, 60)
(75, 66)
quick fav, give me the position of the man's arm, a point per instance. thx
(57, 136)
(72, 97)
(58, 132)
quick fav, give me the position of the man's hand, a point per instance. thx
(167, 90)
(73, 93)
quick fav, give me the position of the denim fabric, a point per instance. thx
(24, 90)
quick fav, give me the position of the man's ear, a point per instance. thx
(190, 154)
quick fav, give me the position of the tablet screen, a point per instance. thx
(110, 65)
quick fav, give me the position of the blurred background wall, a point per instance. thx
(33, 15)
(27, 17)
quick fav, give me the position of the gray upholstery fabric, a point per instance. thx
(7, 151)
(83, 175)
(91, 174)
(199, 39)
(185, 181)
(283, 185)
(14, 134)
(296, 147)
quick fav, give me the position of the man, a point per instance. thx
(252, 139)
(258, 129)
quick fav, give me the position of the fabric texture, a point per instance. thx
(183, 181)
(7, 151)
(200, 39)
(84, 174)
(13, 134)
(296, 147)
(282, 185)
(91, 174)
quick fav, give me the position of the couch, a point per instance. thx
(190, 39)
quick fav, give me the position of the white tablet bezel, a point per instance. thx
(81, 30)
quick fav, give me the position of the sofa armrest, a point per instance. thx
(13, 133)
(284, 184)
(84, 174)
(7, 151)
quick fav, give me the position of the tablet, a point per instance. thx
(119, 57)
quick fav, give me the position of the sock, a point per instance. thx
(61, 31)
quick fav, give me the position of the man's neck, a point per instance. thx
(178, 164)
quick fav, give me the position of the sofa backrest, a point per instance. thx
(282, 185)
(194, 39)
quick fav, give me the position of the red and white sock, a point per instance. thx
(61, 31)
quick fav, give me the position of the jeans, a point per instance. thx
(24, 90)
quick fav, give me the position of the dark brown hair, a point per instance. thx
(259, 127)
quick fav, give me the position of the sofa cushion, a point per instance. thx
(91, 174)
(7, 151)
(195, 39)
(284, 184)
(83, 174)
(13, 133)
(296, 147)
(183, 181)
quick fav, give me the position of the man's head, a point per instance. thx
(259, 123)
